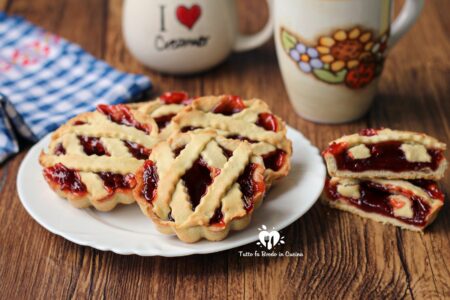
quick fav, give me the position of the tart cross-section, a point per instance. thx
(200, 185)
(92, 160)
(245, 120)
(410, 204)
(386, 153)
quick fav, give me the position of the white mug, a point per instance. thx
(331, 53)
(181, 37)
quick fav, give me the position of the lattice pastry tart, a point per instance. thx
(163, 109)
(93, 158)
(200, 185)
(249, 120)
(386, 153)
(411, 205)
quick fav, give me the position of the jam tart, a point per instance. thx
(92, 159)
(163, 109)
(410, 205)
(200, 185)
(386, 153)
(246, 120)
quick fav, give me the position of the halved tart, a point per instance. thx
(200, 185)
(411, 205)
(386, 153)
(92, 159)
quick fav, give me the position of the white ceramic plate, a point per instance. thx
(126, 230)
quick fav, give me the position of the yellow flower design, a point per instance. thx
(345, 49)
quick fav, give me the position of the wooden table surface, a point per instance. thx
(344, 256)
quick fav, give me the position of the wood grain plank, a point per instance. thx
(84, 21)
(412, 94)
(39, 12)
(344, 256)
(45, 265)
(4, 4)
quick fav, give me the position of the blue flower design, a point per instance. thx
(307, 58)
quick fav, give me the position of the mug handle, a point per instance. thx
(249, 42)
(407, 17)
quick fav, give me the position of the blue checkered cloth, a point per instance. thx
(46, 80)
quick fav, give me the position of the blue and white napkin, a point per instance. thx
(45, 80)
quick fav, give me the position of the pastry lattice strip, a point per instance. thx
(252, 121)
(113, 137)
(222, 193)
(242, 123)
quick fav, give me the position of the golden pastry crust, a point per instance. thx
(162, 111)
(386, 134)
(96, 128)
(200, 116)
(411, 140)
(424, 174)
(163, 194)
(107, 203)
(372, 216)
(398, 188)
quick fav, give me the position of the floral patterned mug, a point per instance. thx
(331, 53)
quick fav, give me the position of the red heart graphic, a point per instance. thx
(189, 16)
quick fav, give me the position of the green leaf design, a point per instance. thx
(288, 40)
(329, 76)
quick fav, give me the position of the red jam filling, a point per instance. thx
(78, 123)
(67, 179)
(249, 187)
(217, 218)
(92, 146)
(176, 98)
(197, 179)
(335, 148)
(384, 156)
(274, 160)
(163, 121)
(189, 128)
(267, 121)
(229, 105)
(226, 152)
(430, 187)
(113, 181)
(121, 115)
(369, 131)
(138, 151)
(150, 179)
(59, 149)
(241, 138)
(374, 199)
(170, 217)
(178, 150)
